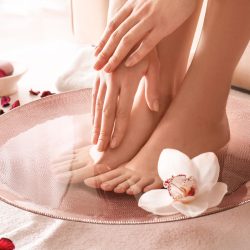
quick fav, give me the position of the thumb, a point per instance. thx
(152, 83)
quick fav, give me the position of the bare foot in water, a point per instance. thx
(140, 174)
(86, 162)
(193, 124)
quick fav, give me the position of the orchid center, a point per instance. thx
(180, 187)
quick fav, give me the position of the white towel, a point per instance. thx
(79, 73)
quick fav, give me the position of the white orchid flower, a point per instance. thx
(191, 185)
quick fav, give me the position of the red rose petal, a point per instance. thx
(15, 104)
(6, 244)
(1, 112)
(32, 92)
(5, 101)
(2, 73)
(46, 93)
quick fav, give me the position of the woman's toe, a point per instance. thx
(96, 181)
(155, 185)
(111, 184)
(139, 186)
(122, 188)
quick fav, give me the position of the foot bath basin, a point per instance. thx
(32, 136)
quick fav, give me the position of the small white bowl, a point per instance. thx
(8, 84)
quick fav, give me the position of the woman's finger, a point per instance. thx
(108, 115)
(152, 83)
(126, 44)
(122, 117)
(120, 16)
(94, 96)
(150, 41)
(98, 111)
(114, 41)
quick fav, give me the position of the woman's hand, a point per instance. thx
(144, 22)
(113, 96)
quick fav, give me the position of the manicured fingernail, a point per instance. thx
(107, 68)
(113, 143)
(156, 106)
(97, 65)
(100, 146)
(97, 50)
(129, 62)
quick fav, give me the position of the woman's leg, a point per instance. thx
(173, 54)
(89, 19)
(196, 121)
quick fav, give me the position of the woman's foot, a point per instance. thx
(84, 163)
(187, 127)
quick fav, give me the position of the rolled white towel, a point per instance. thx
(80, 73)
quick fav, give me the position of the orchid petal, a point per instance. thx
(173, 162)
(191, 209)
(208, 167)
(216, 195)
(157, 201)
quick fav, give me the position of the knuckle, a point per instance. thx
(101, 43)
(99, 104)
(103, 55)
(126, 41)
(103, 135)
(112, 25)
(115, 36)
(114, 59)
(96, 129)
(107, 112)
